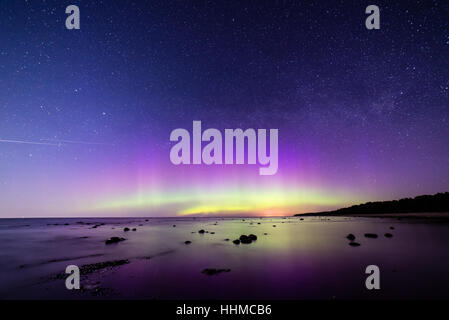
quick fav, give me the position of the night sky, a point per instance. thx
(362, 114)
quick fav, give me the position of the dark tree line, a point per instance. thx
(426, 203)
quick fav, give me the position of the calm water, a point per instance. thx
(308, 259)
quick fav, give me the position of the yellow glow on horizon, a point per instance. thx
(262, 201)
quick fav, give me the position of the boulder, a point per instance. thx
(354, 244)
(126, 229)
(350, 237)
(201, 231)
(236, 241)
(371, 235)
(211, 272)
(187, 242)
(388, 235)
(114, 240)
(245, 239)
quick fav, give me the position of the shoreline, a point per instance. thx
(411, 215)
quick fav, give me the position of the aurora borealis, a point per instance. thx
(86, 115)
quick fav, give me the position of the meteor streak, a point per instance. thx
(53, 142)
(30, 142)
(77, 142)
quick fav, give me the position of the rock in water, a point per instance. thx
(236, 241)
(134, 229)
(211, 272)
(391, 228)
(114, 240)
(253, 237)
(245, 239)
(388, 235)
(371, 235)
(126, 229)
(201, 231)
(354, 244)
(90, 268)
(187, 242)
(350, 237)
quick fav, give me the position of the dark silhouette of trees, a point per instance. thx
(426, 203)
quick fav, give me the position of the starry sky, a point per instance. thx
(86, 115)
